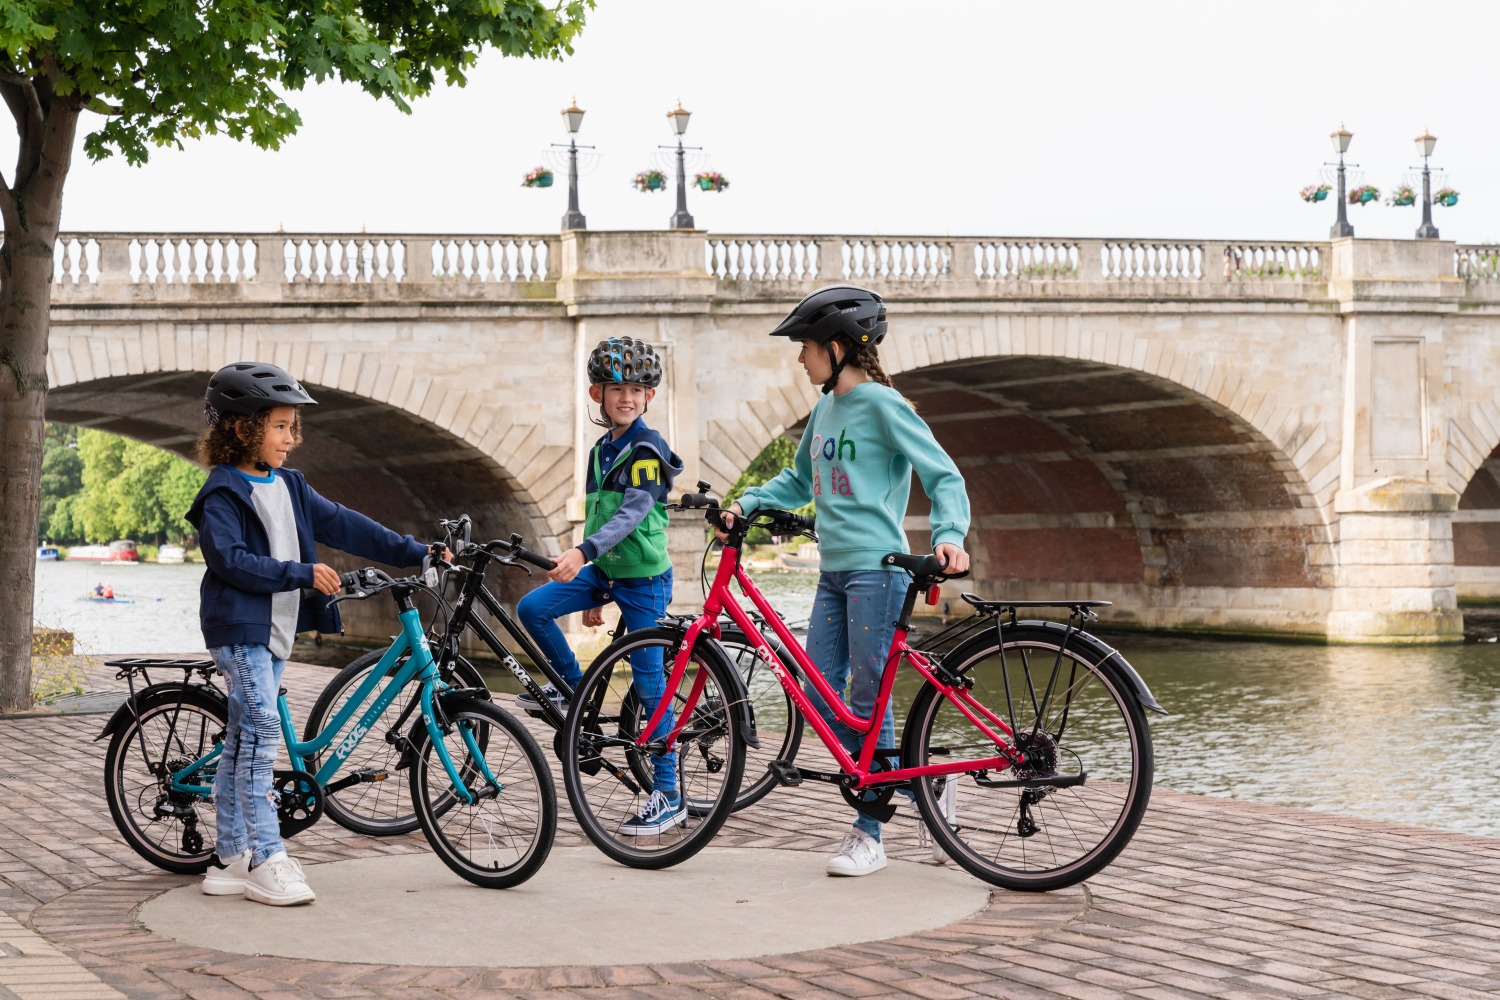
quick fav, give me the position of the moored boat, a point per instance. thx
(121, 551)
(171, 554)
(47, 553)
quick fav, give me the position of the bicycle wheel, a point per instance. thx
(602, 766)
(501, 838)
(173, 830)
(1076, 801)
(374, 808)
(777, 724)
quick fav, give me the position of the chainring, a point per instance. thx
(299, 801)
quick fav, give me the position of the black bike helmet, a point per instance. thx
(848, 311)
(625, 359)
(248, 386)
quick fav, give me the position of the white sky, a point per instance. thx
(1196, 119)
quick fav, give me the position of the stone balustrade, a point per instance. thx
(766, 260)
(233, 258)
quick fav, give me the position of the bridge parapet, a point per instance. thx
(301, 258)
(1001, 262)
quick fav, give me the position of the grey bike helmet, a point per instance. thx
(848, 311)
(625, 359)
(248, 386)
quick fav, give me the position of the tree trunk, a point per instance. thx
(32, 215)
(25, 294)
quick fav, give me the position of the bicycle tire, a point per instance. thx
(501, 839)
(176, 832)
(1082, 720)
(600, 776)
(778, 724)
(374, 808)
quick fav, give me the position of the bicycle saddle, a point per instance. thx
(921, 566)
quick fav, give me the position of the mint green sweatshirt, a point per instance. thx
(855, 460)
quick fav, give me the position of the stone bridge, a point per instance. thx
(1251, 437)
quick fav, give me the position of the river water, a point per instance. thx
(1407, 735)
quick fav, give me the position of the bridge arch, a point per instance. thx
(1090, 479)
(400, 469)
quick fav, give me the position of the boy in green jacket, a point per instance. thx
(623, 557)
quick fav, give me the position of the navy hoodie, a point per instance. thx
(234, 600)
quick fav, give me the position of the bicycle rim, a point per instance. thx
(601, 761)
(174, 831)
(1089, 764)
(502, 837)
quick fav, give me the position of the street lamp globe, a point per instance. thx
(573, 115)
(1425, 143)
(679, 119)
(1341, 139)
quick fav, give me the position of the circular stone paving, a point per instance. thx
(580, 909)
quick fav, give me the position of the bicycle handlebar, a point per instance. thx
(512, 547)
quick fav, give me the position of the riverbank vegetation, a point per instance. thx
(98, 486)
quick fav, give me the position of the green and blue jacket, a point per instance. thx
(625, 514)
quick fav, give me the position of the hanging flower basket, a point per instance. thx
(650, 180)
(1364, 194)
(711, 180)
(1403, 195)
(539, 177)
(1314, 192)
(1445, 196)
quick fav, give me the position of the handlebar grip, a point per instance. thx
(541, 562)
(696, 501)
(801, 522)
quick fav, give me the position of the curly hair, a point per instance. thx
(237, 437)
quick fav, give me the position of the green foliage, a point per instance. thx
(167, 70)
(62, 471)
(126, 489)
(780, 454)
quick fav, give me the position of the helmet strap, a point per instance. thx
(838, 366)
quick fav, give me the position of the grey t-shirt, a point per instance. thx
(274, 505)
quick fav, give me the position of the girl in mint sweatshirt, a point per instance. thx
(855, 461)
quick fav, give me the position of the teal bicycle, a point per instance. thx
(481, 790)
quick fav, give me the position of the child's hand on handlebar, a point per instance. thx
(326, 579)
(955, 559)
(568, 566)
(593, 617)
(727, 518)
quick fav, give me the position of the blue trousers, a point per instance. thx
(641, 601)
(244, 801)
(848, 639)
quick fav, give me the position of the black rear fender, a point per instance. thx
(171, 692)
(1096, 649)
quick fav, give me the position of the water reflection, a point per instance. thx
(1406, 735)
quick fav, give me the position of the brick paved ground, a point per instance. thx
(1213, 898)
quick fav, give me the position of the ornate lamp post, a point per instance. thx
(679, 119)
(1341, 140)
(573, 115)
(1425, 143)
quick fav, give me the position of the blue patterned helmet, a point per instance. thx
(625, 359)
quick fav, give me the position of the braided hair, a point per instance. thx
(867, 358)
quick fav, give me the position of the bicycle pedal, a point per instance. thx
(787, 774)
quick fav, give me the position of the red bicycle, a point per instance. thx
(1026, 747)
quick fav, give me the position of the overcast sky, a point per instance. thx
(946, 116)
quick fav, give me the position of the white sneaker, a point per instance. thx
(278, 882)
(226, 878)
(859, 854)
(948, 806)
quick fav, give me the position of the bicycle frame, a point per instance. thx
(411, 643)
(720, 599)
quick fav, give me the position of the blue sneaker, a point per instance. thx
(526, 703)
(658, 815)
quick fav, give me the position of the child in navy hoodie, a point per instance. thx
(257, 527)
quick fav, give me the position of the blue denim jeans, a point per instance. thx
(641, 601)
(244, 801)
(848, 639)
